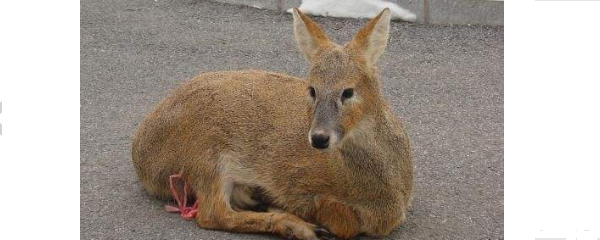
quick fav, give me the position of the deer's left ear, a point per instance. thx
(373, 38)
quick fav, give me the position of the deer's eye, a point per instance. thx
(348, 93)
(312, 92)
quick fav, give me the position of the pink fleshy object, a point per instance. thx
(184, 211)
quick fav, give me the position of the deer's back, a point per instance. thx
(258, 116)
(234, 109)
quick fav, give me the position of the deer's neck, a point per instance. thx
(375, 143)
(376, 157)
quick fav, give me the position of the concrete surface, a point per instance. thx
(463, 12)
(446, 83)
(415, 6)
(445, 12)
(277, 5)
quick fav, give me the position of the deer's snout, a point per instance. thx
(320, 140)
(325, 128)
(323, 139)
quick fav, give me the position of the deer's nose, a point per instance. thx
(320, 141)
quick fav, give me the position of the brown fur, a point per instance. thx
(337, 217)
(237, 134)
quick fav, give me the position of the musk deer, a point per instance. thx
(321, 152)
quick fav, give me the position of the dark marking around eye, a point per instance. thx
(348, 93)
(312, 92)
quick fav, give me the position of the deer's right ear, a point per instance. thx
(373, 38)
(309, 36)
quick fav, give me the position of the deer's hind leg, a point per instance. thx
(218, 210)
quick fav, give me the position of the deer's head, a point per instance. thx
(342, 85)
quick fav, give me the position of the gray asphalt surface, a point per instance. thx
(446, 83)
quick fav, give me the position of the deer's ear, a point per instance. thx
(372, 39)
(309, 36)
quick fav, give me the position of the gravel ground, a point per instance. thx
(445, 82)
